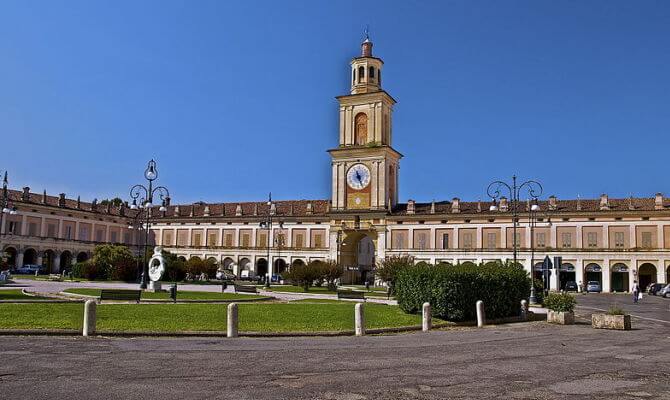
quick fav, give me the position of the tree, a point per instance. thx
(330, 273)
(303, 275)
(116, 202)
(387, 270)
(114, 261)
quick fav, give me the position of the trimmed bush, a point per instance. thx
(85, 270)
(453, 291)
(560, 302)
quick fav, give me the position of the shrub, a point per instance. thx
(197, 266)
(304, 275)
(85, 270)
(125, 270)
(388, 269)
(616, 310)
(539, 290)
(454, 290)
(560, 302)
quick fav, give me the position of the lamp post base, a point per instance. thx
(533, 298)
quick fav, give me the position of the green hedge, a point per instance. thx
(453, 291)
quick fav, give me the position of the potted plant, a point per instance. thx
(561, 307)
(616, 318)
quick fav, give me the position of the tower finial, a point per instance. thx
(366, 31)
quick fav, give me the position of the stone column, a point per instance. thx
(19, 258)
(606, 275)
(359, 319)
(232, 319)
(89, 318)
(56, 265)
(427, 320)
(481, 319)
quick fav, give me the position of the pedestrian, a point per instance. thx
(636, 291)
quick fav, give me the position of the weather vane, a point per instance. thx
(367, 32)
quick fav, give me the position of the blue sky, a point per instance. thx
(236, 98)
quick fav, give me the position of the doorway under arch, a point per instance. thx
(48, 261)
(10, 257)
(65, 261)
(593, 272)
(279, 266)
(358, 256)
(619, 278)
(566, 274)
(29, 256)
(82, 256)
(261, 267)
(646, 274)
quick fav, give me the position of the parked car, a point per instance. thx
(665, 292)
(570, 286)
(593, 286)
(653, 288)
(30, 269)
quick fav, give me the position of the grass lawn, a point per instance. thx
(16, 294)
(181, 295)
(321, 290)
(261, 317)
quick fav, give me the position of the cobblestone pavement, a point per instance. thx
(520, 361)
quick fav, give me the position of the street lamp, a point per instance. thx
(5, 208)
(145, 196)
(534, 189)
(267, 225)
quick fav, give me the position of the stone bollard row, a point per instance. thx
(524, 310)
(427, 321)
(89, 318)
(359, 318)
(481, 319)
(231, 328)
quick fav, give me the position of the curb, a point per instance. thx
(84, 297)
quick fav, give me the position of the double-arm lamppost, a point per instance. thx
(144, 195)
(534, 190)
(5, 208)
(267, 225)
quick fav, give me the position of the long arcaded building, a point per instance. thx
(614, 241)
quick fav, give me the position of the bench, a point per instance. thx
(120, 294)
(55, 277)
(245, 289)
(350, 294)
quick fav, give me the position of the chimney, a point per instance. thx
(78, 202)
(44, 197)
(26, 194)
(109, 207)
(658, 201)
(206, 212)
(553, 202)
(309, 208)
(455, 205)
(122, 209)
(479, 205)
(273, 209)
(223, 209)
(504, 205)
(579, 203)
(604, 202)
(192, 209)
(238, 210)
(290, 209)
(255, 208)
(631, 206)
(432, 207)
(176, 211)
(61, 200)
(94, 205)
(411, 207)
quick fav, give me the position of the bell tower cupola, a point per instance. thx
(366, 70)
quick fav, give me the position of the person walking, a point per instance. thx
(636, 291)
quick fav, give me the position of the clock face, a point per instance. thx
(358, 177)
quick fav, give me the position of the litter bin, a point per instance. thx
(173, 292)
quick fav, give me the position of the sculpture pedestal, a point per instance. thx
(154, 286)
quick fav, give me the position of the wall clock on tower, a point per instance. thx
(358, 177)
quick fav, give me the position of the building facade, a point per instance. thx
(614, 241)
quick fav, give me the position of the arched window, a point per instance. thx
(379, 77)
(354, 75)
(371, 74)
(361, 129)
(361, 73)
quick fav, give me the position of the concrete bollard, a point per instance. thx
(427, 317)
(524, 310)
(89, 318)
(359, 317)
(231, 329)
(481, 319)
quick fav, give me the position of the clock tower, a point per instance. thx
(365, 165)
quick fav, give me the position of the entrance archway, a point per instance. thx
(29, 257)
(48, 261)
(261, 267)
(619, 277)
(10, 258)
(65, 261)
(279, 266)
(227, 263)
(357, 255)
(646, 274)
(667, 274)
(593, 272)
(297, 262)
(566, 274)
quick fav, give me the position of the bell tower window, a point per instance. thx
(371, 74)
(361, 73)
(361, 123)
